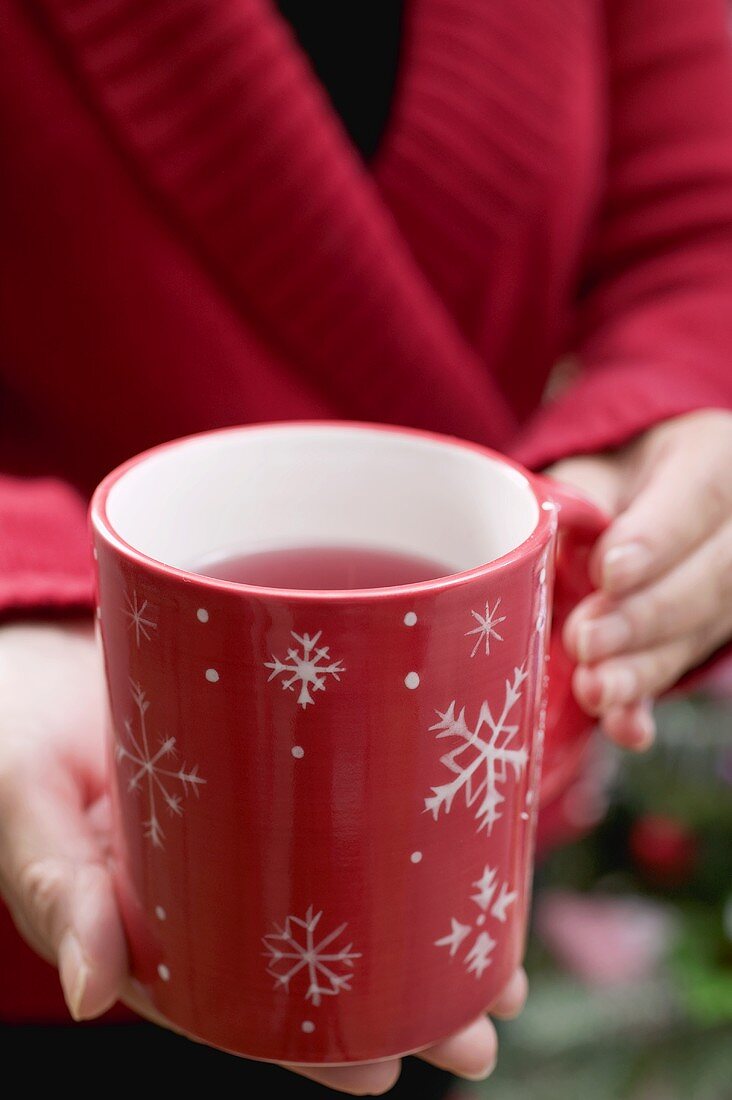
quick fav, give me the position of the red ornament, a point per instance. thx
(664, 849)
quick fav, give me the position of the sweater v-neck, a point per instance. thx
(354, 50)
(221, 118)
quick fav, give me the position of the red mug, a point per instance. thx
(338, 871)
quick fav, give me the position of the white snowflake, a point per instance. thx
(477, 959)
(309, 668)
(480, 763)
(486, 628)
(293, 948)
(140, 622)
(149, 773)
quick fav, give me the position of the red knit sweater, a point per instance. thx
(190, 241)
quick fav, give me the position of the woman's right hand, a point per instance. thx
(54, 844)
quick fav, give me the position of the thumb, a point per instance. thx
(59, 889)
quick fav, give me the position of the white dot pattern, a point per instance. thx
(298, 752)
(212, 675)
(164, 972)
(411, 680)
(202, 615)
(410, 618)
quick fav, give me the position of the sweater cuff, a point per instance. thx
(608, 406)
(45, 557)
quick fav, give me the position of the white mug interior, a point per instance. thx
(296, 485)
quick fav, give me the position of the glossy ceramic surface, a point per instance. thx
(326, 802)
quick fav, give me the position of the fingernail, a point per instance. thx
(515, 993)
(74, 973)
(480, 1075)
(623, 566)
(619, 685)
(646, 726)
(602, 637)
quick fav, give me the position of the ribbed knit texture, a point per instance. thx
(189, 240)
(232, 131)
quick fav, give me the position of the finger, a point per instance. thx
(59, 888)
(686, 600)
(513, 997)
(686, 498)
(590, 608)
(629, 679)
(470, 1053)
(631, 727)
(371, 1079)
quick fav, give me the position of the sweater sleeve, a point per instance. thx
(654, 309)
(45, 559)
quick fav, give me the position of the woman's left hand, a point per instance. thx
(663, 568)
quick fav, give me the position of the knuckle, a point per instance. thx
(40, 887)
(645, 668)
(659, 670)
(91, 874)
(653, 615)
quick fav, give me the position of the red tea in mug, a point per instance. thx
(325, 568)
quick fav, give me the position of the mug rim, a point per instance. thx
(543, 529)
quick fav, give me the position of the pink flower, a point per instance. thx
(604, 940)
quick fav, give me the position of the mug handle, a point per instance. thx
(567, 727)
